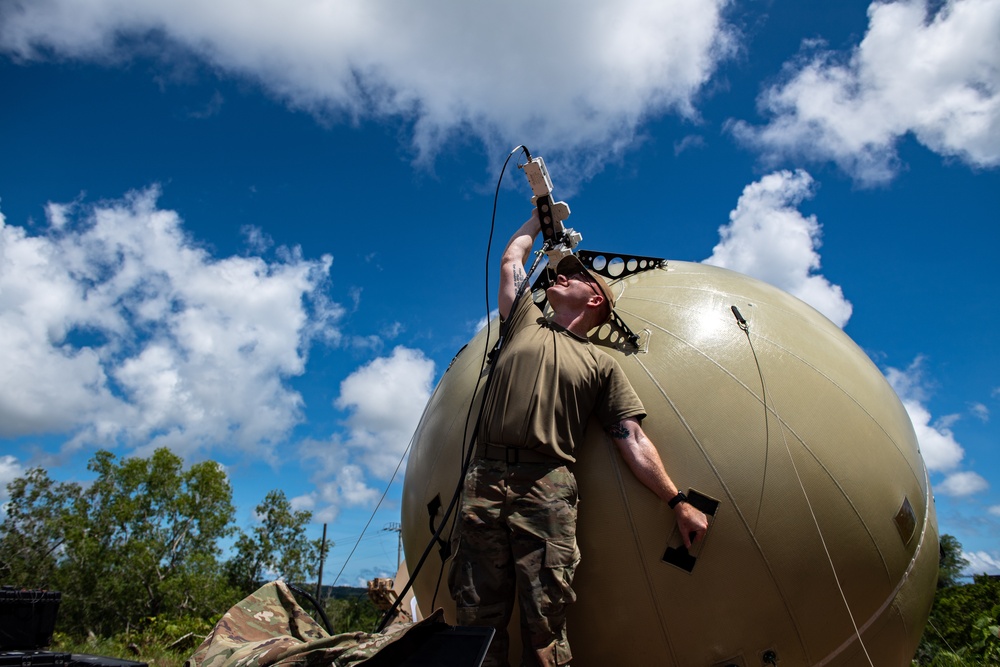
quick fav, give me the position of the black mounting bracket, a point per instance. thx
(615, 334)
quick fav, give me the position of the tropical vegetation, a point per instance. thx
(138, 557)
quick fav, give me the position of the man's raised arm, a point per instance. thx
(512, 263)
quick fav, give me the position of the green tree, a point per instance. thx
(355, 613)
(962, 628)
(140, 541)
(34, 530)
(276, 546)
(951, 563)
(963, 622)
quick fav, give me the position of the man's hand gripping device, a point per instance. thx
(559, 241)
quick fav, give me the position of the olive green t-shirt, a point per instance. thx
(547, 383)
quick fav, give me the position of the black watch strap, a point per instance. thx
(679, 498)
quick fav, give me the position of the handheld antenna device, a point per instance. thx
(558, 240)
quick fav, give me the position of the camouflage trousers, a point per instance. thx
(517, 531)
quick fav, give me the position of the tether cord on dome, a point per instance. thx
(819, 531)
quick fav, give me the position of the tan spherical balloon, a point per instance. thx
(823, 546)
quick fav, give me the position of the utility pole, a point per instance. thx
(398, 529)
(322, 557)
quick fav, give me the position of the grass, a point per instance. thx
(153, 648)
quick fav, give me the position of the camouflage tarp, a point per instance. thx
(270, 628)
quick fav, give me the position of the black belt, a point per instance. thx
(513, 455)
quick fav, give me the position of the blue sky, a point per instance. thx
(257, 233)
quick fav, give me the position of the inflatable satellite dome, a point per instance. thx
(822, 547)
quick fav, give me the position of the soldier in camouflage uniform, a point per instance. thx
(517, 523)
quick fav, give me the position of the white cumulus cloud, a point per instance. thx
(560, 76)
(337, 482)
(980, 412)
(769, 239)
(940, 450)
(982, 562)
(963, 483)
(384, 400)
(10, 469)
(932, 74)
(116, 327)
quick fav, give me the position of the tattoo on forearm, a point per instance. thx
(519, 278)
(618, 431)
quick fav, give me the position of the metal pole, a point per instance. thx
(322, 557)
(398, 529)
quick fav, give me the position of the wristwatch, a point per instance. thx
(679, 498)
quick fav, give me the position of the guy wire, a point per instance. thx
(372, 517)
